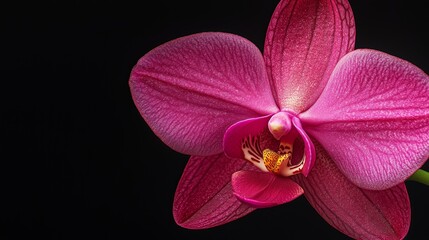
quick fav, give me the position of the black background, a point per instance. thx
(78, 161)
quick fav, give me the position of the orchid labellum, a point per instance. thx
(310, 115)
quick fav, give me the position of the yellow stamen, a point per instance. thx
(278, 162)
(273, 160)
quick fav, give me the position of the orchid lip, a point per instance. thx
(279, 161)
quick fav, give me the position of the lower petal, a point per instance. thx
(356, 212)
(204, 196)
(261, 189)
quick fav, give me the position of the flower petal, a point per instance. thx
(309, 151)
(373, 118)
(261, 189)
(191, 89)
(204, 196)
(356, 212)
(305, 39)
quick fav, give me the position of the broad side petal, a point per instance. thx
(373, 118)
(261, 189)
(305, 39)
(191, 89)
(356, 212)
(204, 196)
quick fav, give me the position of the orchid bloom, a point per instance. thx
(310, 115)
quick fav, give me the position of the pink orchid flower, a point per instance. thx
(310, 116)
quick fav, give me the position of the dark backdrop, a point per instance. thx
(78, 161)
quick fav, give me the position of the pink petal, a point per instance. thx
(358, 213)
(191, 89)
(309, 151)
(204, 196)
(261, 189)
(304, 41)
(373, 118)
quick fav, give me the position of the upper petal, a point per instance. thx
(356, 212)
(305, 39)
(373, 118)
(204, 196)
(261, 189)
(191, 89)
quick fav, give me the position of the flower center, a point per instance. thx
(281, 161)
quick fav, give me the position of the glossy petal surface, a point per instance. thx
(358, 213)
(204, 196)
(191, 89)
(261, 189)
(373, 118)
(305, 39)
